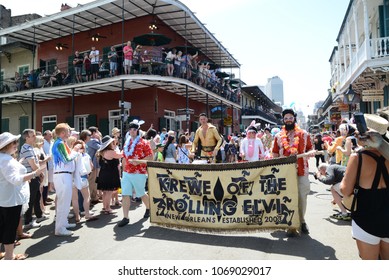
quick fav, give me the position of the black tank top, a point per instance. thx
(372, 213)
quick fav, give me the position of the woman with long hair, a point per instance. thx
(169, 151)
(183, 147)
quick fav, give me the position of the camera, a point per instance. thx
(361, 123)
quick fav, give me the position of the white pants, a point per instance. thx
(63, 187)
(304, 187)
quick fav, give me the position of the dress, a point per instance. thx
(109, 177)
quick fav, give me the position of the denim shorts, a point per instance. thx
(131, 182)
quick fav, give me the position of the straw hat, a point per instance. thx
(115, 130)
(105, 142)
(377, 123)
(6, 138)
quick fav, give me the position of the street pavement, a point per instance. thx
(329, 239)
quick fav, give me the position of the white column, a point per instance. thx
(366, 27)
(349, 42)
(355, 16)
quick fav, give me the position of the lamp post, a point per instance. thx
(349, 99)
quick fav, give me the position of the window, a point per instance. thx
(170, 117)
(115, 118)
(23, 69)
(80, 122)
(49, 122)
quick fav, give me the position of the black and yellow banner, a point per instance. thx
(244, 196)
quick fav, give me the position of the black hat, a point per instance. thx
(288, 111)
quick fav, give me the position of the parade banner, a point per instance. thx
(231, 196)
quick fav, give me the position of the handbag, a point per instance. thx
(350, 202)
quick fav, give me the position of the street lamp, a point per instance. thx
(349, 99)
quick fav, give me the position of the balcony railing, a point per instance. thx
(376, 48)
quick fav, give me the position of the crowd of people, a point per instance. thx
(85, 169)
(134, 59)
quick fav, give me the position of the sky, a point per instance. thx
(289, 39)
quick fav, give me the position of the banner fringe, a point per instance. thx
(219, 231)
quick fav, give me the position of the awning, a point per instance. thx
(106, 12)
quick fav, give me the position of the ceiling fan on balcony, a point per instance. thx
(60, 46)
(96, 37)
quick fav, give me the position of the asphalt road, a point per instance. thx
(329, 239)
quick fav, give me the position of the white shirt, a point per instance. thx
(251, 148)
(13, 190)
(94, 57)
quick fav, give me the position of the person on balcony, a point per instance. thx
(55, 77)
(113, 61)
(95, 62)
(77, 63)
(128, 56)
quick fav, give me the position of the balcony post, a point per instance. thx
(366, 27)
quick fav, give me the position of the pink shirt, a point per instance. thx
(128, 52)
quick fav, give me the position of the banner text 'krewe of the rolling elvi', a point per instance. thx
(241, 196)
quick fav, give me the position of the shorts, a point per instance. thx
(77, 70)
(128, 62)
(9, 221)
(361, 235)
(95, 68)
(113, 66)
(133, 182)
(336, 188)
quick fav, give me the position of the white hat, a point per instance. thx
(105, 142)
(377, 123)
(74, 133)
(115, 130)
(6, 138)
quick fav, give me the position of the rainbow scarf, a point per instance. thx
(61, 152)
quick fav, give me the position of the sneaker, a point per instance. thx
(341, 216)
(147, 214)
(41, 219)
(64, 233)
(70, 225)
(304, 228)
(71, 215)
(123, 222)
(291, 233)
(33, 224)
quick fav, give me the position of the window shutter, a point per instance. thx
(91, 120)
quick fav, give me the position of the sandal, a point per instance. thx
(2, 254)
(92, 218)
(20, 257)
(17, 243)
(24, 236)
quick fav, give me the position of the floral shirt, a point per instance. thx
(303, 144)
(142, 150)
